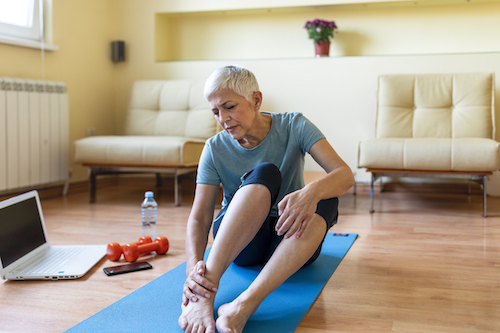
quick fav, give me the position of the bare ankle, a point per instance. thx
(234, 316)
(198, 314)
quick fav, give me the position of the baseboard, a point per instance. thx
(419, 188)
(365, 188)
(396, 186)
(56, 190)
(189, 181)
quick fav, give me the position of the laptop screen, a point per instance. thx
(21, 230)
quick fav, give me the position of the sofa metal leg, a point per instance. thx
(371, 194)
(484, 195)
(65, 188)
(178, 182)
(159, 181)
(177, 190)
(92, 184)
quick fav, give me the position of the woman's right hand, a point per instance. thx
(197, 285)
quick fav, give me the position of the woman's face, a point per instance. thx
(233, 112)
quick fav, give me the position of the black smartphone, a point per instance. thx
(136, 266)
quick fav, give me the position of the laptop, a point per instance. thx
(25, 253)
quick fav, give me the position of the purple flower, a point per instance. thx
(320, 30)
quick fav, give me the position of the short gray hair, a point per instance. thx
(236, 78)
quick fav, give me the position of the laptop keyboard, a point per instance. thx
(53, 260)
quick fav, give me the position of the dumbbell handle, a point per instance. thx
(114, 250)
(144, 248)
(132, 251)
(155, 246)
(142, 240)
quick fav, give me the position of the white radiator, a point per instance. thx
(34, 133)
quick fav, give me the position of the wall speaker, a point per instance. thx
(118, 51)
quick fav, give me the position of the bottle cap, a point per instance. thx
(149, 194)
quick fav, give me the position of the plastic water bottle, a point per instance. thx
(149, 213)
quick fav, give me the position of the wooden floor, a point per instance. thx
(424, 262)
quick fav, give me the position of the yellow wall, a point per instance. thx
(83, 31)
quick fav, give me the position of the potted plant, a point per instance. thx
(321, 31)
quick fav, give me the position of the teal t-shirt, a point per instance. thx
(225, 161)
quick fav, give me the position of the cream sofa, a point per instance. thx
(433, 125)
(166, 128)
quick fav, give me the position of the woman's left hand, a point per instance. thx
(296, 211)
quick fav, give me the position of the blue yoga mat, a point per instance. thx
(281, 311)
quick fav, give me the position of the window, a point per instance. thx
(27, 23)
(21, 19)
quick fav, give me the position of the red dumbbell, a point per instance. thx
(115, 250)
(132, 251)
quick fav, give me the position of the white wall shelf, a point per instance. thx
(205, 7)
(232, 31)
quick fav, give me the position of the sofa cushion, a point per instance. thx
(430, 154)
(170, 108)
(435, 105)
(144, 151)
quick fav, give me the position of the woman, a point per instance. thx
(268, 216)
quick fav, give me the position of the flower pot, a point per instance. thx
(322, 49)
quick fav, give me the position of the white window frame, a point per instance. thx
(31, 36)
(23, 32)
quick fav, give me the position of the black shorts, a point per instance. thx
(262, 246)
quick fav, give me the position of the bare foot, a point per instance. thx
(198, 317)
(234, 316)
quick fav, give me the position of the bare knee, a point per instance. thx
(255, 193)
